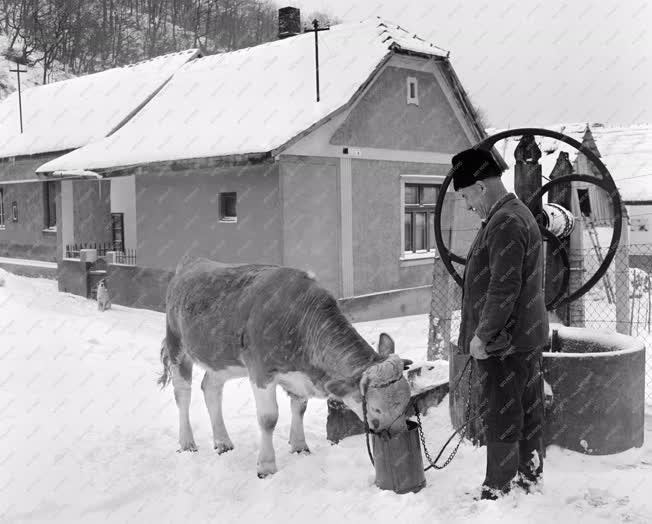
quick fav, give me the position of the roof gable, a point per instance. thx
(383, 119)
(72, 113)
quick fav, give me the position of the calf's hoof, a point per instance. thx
(301, 449)
(222, 447)
(187, 446)
(265, 470)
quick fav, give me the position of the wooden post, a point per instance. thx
(527, 172)
(527, 179)
(621, 279)
(582, 166)
(316, 29)
(576, 312)
(18, 71)
(559, 195)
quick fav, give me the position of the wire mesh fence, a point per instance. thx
(621, 301)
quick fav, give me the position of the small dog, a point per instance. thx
(103, 297)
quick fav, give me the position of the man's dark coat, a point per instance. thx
(503, 300)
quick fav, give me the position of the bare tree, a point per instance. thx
(324, 18)
(90, 35)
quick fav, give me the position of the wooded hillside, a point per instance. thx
(85, 36)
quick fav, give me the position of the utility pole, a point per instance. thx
(18, 71)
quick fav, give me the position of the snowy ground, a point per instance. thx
(86, 436)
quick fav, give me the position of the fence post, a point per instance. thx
(439, 320)
(562, 196)
(442, 292)
(576, 311)
(623, 324)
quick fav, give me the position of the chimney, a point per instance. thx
(289, 22)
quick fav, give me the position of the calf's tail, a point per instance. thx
(170, 353)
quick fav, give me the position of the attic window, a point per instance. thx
(412, 90)
(227, 207)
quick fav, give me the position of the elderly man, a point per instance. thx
(504, 323)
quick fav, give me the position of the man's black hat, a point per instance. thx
(472, 165)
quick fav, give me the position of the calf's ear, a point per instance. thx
(385, 345)
(406, 363)
(339, 387)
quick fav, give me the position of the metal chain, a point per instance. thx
(366, 428)
(422, 437)
(464, 428)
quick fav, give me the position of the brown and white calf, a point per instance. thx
(277, 326)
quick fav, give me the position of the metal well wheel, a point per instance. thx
(606, 183)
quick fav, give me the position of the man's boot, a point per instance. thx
(530, 466)
(502, 465)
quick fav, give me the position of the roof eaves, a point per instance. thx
(35, 156)
(637, 202)
(468, 108)
(181, 164)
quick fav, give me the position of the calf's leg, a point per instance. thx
(213, 385)
(297, 436)
(267, 411)
(182, 382)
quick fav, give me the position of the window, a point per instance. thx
(50, 197)
(117, 231)
(227, 207)
(2, 210)
(585, 202)
(419, 218)
(412, 91)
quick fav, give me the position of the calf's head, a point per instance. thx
(386, 390)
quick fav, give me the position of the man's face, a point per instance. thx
(474, 199)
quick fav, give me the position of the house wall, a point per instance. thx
(123, 200)
(177, 213)
(311, 221)
(22, 168)
(91, 201)
(377, 247)
(26, 237)
(138, 287)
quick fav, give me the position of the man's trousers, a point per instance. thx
(512, 389)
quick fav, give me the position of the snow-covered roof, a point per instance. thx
(249, 101)
(72, 113)
(625, 150)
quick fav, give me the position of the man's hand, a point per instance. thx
(477, 349)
